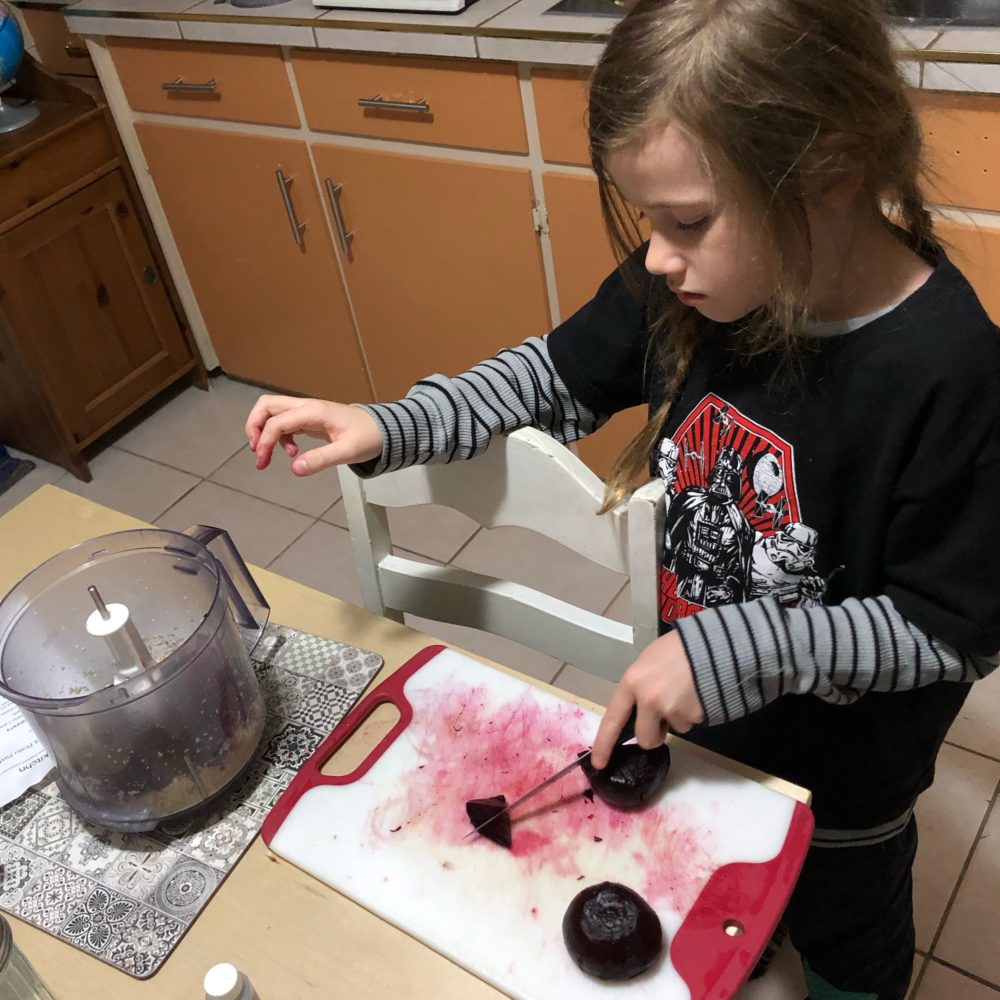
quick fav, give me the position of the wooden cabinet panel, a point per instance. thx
(962, 138)
(581, 252)
(58, 50)
(976, 251)
(250, 81)
(276, 312)
(81, 280)
(561, 109)
(583, 258)
(474, 104)
(445, 266)
(43, 169)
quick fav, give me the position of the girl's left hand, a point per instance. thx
(661, 686)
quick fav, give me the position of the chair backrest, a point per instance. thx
(527, 479)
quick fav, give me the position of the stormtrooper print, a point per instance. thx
(733, 530)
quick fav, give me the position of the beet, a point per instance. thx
(498, 829)
(632, 777)
(611, 932)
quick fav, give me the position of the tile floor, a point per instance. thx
(186, 461)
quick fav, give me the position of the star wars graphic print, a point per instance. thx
(733, 529)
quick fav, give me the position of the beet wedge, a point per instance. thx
(492, 810)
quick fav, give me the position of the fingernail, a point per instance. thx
(300, 466)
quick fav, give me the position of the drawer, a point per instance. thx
(57, 49)
(240, 83)
(962, 138)
(48, 168)
(561, 109)
(447, 102)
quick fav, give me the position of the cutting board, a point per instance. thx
(715, 854)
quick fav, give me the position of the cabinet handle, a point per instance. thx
(284, 183)
(76, 51)
(332, 190)
(420, 106)
(191, 88)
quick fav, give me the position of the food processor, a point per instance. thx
(129, 656)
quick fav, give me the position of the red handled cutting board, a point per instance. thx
(716, 855)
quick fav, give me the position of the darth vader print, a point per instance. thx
(733, 530)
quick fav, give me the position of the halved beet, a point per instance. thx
(611, 932)
(633, 775)
(492, 809)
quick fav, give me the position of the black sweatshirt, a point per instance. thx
(830, 554)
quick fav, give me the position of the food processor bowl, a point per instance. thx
(136, 745)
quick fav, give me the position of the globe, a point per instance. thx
(13, 114)
(11, 45)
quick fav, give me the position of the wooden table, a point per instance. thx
(295, 938)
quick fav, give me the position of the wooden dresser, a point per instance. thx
(88, 331)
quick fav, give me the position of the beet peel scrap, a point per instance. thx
(491, 811)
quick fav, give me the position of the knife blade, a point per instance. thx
(628, 731)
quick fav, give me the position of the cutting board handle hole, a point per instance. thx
(733, 928)
(367, 735)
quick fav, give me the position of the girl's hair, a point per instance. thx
(775, 95)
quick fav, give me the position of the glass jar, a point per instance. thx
(18, 980)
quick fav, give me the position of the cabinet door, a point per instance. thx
(445, 266)
(582, 258)
(94, 315)
(274, 304)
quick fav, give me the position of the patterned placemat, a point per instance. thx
(129, 898)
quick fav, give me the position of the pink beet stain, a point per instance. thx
(471, 748)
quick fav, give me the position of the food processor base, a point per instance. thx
(144, 825)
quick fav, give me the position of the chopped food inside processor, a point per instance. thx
(611, 932)
(491, 812)
(632, 777)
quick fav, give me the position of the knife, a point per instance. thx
(628, 731)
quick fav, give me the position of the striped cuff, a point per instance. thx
(737, 653)
(744, 656)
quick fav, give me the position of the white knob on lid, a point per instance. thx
(226, 982)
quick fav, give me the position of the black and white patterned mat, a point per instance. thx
(129, 898)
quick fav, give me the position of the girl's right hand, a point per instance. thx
(353, 433)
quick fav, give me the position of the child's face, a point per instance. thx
(700, 241)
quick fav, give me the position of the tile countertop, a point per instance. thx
(519, 30)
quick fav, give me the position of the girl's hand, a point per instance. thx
(660, 685)
(353, 434)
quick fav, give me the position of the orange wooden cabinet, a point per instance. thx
(449, 102)
(58, 50)
(244, 83)
(582, 259)
(962, 138)
(248, 221)
(561, 110)
(444, 265)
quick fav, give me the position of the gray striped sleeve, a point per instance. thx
(744, 656)
(445, 419)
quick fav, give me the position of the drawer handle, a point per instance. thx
(419, 106)
(76, 51)
(332, 190)
(284, 183)
(191, 88)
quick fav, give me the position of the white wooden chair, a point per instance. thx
(527, 479)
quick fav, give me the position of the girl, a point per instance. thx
(821, 384)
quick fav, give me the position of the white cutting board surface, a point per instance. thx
(393, 838)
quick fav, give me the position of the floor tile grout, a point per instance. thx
(300, 535)
(978, 753)
(961, 875)
(464, 546)
(963, 972)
